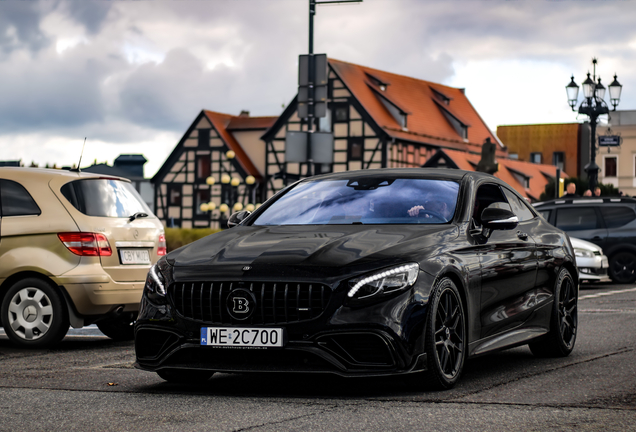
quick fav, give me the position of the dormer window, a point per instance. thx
(441, 96)
(382, 85)
(460, 126)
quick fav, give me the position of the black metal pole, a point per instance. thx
(592, 167)
(312, 12)
(312, 78)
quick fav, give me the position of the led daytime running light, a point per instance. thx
(381, 275)
(161, 289)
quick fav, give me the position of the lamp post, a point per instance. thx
(593, 105)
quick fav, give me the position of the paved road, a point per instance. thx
(88, 383)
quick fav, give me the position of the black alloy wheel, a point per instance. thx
(622, 268)
(559, 342)
(185, 376)
(445, 336)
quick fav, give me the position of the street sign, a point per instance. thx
(609, 140)
(313, 76)
(318, 144)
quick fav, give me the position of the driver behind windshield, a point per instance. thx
(430, 209)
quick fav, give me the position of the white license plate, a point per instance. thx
(134, 256)
(242, 336)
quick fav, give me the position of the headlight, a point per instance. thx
(583, 253)
(384, 282)
(157, 280)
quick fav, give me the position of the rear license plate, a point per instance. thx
(242, 336)
(134, 256)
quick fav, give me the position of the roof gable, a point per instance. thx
(425, 103)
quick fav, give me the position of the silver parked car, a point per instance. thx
(590, 260)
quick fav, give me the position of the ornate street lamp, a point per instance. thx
(593, 105)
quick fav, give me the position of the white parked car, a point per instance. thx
(590, 260)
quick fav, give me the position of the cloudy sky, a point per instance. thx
(132, 75)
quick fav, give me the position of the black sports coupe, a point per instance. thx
(364, 273)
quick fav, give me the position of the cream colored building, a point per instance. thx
(618, 164)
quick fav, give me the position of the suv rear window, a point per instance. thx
(617, 216)
(104, 198)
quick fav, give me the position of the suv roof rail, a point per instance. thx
(587, 200)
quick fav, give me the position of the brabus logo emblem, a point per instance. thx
(246, 268)
(241, 304)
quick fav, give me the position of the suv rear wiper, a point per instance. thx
(137, 215)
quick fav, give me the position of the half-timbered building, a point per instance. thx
(378, 120)
(217, 167)
(224, 163)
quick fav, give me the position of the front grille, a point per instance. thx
(597, 253)
(276, 303)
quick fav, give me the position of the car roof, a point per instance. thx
(49, 173)
(427, 173)
(585, 200)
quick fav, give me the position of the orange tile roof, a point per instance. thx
(251, 123)
(426, 123)
(538, 174)
(221, 122)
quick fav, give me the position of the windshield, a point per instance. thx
(104, 198)
(364, 201)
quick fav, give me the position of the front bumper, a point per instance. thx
(592, 269)
(380, 339)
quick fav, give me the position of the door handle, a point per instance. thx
(522, 235)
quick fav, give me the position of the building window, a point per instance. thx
(514, 156)
(174, 194)
(202, 196)
(340, 113)
(535, 158)
(355, 150)
(203, 163)
(204, 138)
(610, 166)
(558, 160)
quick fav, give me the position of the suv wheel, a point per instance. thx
(33, 314)
(622, 268)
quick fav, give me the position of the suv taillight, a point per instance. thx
(161, 248)
(86, 244)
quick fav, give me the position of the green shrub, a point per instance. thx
(177, 237)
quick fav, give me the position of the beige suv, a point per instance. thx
(75, 249)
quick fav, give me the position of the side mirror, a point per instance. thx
(236, 218)
(499, 219)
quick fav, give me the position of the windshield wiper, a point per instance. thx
(137, 215)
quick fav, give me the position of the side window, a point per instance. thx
(617, 216)
(576, 219)
(518, 207)
(488, 195)
(16, 201)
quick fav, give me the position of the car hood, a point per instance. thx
(582, 244)
(306, 251)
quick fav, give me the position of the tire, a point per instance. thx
(121, 328)
(559, 342)
(185, 376)
(444, 337)
(34, 314)
(622, 268)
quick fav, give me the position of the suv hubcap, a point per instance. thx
(30, 313)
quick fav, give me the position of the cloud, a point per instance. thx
(20, 27)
